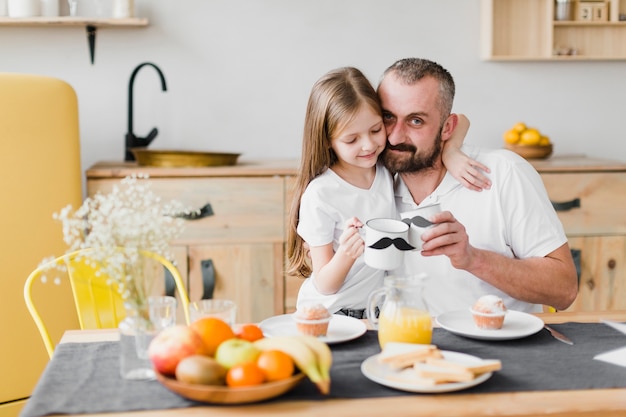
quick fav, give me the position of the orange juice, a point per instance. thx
(404, 324)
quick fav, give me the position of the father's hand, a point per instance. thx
(448, 237)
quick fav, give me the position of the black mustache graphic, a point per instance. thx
(398, 242)
(419, 221)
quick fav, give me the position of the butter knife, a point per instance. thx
(558, 335)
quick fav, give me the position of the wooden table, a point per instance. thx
(596, 402)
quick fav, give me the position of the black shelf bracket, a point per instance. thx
(91, 39)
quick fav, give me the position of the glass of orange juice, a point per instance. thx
(404, 316)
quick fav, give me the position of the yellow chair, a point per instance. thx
(98, 303)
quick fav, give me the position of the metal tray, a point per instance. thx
(172, 158)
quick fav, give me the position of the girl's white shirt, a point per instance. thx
(327, 203)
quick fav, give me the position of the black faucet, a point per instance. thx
(133, 141)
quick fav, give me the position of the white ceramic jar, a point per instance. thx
(23, 8)
(123, 9)
(49, 8)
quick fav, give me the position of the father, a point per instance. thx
(506, 241)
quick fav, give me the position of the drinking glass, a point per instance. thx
(162, 311)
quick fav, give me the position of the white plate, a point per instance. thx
(340, 329)
(404, 380)
(516, 325)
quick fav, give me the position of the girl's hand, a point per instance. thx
(351, 243)
(467, 171)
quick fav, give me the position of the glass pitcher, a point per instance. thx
(404, 316)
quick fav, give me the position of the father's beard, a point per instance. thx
(406, 159)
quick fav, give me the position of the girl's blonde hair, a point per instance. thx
(334, 102)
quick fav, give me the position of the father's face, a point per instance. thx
(413, 124)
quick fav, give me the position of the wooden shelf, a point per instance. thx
(72, 21)
(91, 24)
(525, 30)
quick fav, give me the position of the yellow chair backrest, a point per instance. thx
(41, 173)
(97, 301)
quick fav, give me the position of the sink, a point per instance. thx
(182, 158)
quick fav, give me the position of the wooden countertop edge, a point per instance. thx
(289, 167)
(576, 403)
(270, 167)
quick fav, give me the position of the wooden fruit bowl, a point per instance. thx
(217, 394)
(530, 152)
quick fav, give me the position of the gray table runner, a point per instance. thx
(84, 377)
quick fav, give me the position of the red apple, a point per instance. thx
(234, 351)
(172, 345)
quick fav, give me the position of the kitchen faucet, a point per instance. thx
(133, 141)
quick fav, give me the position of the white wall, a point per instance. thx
(239, 73)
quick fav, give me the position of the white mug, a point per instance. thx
(415, 229)
(385, 243)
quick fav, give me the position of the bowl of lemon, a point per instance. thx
(527, 142)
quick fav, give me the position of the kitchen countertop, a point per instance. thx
(113, 169)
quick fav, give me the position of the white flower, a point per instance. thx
(131, 217)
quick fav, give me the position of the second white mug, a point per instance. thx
(415, 228)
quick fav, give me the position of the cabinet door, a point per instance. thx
(249, 209)
(292, 284)
(601, 200)
(603, 273)
(248, 273)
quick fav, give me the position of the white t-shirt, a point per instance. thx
(327, 203)
(514, 218)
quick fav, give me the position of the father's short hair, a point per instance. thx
(411, 70)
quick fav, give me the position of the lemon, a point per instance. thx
(530, 137)
(511, 136)
(519, 127)
(544, 141)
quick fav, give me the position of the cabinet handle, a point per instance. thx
(170, 284)
(566, 205)
(577, 255)
(205, 211)
(208, 278)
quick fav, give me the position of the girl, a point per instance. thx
(341, 183)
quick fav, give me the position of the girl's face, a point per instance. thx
(360, 142)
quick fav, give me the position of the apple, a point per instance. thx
(234, 351)
(172, 345)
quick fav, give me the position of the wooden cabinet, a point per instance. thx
(237, 252)
(593, 199)
(526, 30)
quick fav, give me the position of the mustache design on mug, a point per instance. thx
(398, 242)
(418, 221)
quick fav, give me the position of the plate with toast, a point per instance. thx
(427, 369)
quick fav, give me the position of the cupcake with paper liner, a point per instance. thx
(312, 319)
(488, 312)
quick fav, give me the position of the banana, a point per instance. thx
(324, 355)
(303, 356)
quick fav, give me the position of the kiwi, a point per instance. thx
(199, 369)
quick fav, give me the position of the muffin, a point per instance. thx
(312, 319)
(488, 312)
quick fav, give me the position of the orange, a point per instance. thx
(530, 136)
(245, 374)
(249, 332)
(519, 127)
(511, 136)
(213, 331)
(275, 364)
(544, 141)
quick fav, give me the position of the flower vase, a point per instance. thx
(136, 333)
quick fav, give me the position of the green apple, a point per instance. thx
(234, 351)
